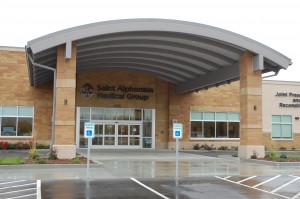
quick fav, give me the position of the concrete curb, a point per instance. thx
(271, 163)
(51, 166)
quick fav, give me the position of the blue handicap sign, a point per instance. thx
(89, 133)
(89, 130)
(177, 130)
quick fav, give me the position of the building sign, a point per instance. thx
(295, 99)
(87, 91)
(116, 92)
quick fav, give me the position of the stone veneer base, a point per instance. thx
(246, 151)
(65, 151)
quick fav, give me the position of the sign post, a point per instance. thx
(89, 133)
(177, 134)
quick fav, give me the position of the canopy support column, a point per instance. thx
(65, 103)
(251, 140)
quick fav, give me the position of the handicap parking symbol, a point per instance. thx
(89, 133)
(177, 133)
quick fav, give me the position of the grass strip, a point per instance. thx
(294, 156)
(11, 161)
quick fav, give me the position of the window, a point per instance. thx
(16, 120)
(215, 124)
(281, 127)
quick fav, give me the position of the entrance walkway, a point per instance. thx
(146, 164)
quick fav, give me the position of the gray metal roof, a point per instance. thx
(192, 56)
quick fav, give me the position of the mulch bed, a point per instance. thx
(280, 159)
(59, 161)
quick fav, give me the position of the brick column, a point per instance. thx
(251, 139)
(65, 126)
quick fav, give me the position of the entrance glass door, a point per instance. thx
(125, 135)
(117, 127)
(122, 134)
(109, 134)
(98, 139)
(135, 132)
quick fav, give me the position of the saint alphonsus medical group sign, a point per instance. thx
(116, 92)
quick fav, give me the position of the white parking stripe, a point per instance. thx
(150, 189)
(23, 185)
(227, 177)
(286, 184)
(23, 196)
(253, 188)
(38, 189)
(12, 182)
(16, 191)
(296, 196)
(266, 181)
(246, 179)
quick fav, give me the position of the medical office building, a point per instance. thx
(135, 78)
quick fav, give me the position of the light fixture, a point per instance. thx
(174, 121)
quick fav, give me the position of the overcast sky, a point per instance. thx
(275, 23)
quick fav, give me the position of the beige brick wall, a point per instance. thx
(222, 98)
(158, 100)
(15, 90)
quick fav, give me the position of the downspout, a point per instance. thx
(275, 74)
(54, 94)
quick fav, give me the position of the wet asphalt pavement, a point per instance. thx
(151, 174)
(206, 187)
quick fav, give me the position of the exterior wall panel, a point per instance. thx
(15, 90)
(274, 93)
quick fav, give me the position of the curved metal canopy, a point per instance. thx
(192, 56)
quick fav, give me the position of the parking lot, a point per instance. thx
(272, 187)
(151, 174)
(189, 188)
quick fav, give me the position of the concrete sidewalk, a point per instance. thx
(143, 164)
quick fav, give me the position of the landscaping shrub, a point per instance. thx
(282, 148)
(33, 154)
(52, 155)
(196, 147)
(283, 156)
(4, 145)
(254, 155)
(76, 160)
(271, 155)
(42, 146)
(223, 148)
(21, 145)
(12, 146)
(208, 147)
(41, 161)
(235, 148)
